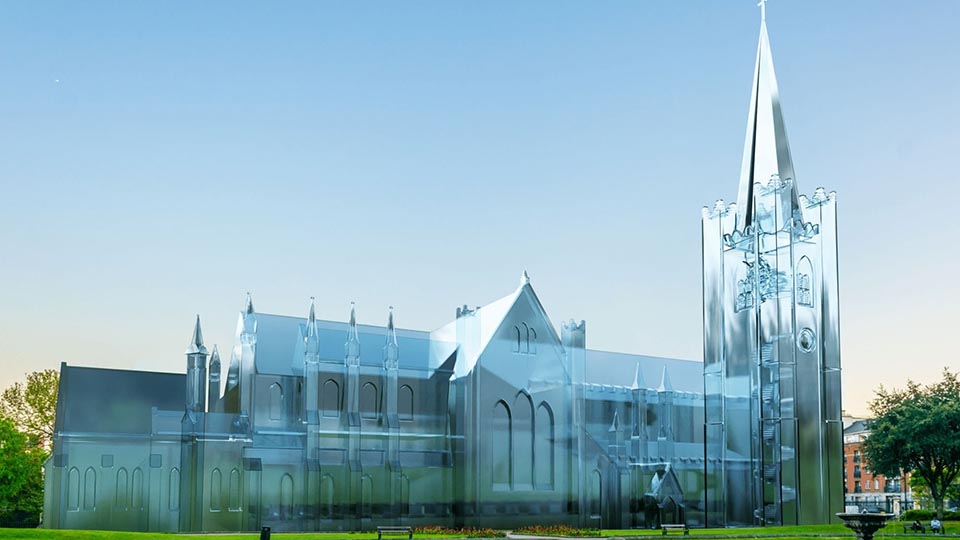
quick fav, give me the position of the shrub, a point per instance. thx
(927, 515)
(557, 530)
(466, 532)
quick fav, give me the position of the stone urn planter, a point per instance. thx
(865, 524)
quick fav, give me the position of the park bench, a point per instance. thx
(910, 527)
(674, 527)
(394, 530)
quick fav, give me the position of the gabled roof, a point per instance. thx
(490, 319)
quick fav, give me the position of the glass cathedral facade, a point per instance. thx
(498, 418)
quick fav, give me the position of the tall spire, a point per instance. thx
(353, 337)
(311, 336)
(665, 385)
(766, 151)
(196, 342)
(215, 364)
(391, 348)
(637, 379)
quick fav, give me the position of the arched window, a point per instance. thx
(286, 497)
(89, 489)
(276, 402)
(805, 282)
(327, 494)
(366, 494)
(73, 490)
(234, 501)
(525, 332)
(596, 494)
(368, 401)
(404, 495)
(173, 489)
(532, 341)
(216, 486)
(522, 442)
(502, 445)
(121, 493)
(136, 490)
(330, 399)
(405, 403)
(516, 339)
(544, 452)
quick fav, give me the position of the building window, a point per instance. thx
(856, 456)
(286, 497)
(405, 403)
(330, 398)
(173, 490)
(805, 282)
(121, 494)
(502, 446)
(216, 485)
(73, 490)
(516, 339)
(543, 456)
(234, 501)
(369, 401)
(744, 298)
(89, 489)
(276, 402)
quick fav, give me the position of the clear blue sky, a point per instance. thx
(159, 159)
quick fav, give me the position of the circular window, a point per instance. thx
(807, 340)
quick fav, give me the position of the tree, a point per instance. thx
(33, 406)
(918, 429)
(21, 474)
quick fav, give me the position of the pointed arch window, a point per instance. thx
(234, 495)
(121, 493)
(502, 446)
(89, 489)
(216, 487)
(405, 403)
(544, 454)
(369, 401)
(286, 497)
(173, 490)
(136, 490)
(522, 455)
(532, 341)
(276, 402)
(805, 282)
(327, 495)
(366, 495)
(516, 339)
(525, 344)
(330, 399)
(73, 490)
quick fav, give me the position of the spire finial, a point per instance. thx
(763, 10)
(215, 358)
(196, 342)
(312, 317)
(248, 309)
(524, 278)
(665, 385)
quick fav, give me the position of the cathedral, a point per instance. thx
(498, 418)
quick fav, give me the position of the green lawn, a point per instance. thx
(781, 533)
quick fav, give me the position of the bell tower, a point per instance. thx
(771, 335)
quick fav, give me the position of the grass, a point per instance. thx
(780, 533)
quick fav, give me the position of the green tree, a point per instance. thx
(918, 429)
(21, 474)
(33, 406)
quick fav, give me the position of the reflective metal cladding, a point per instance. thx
(771, 335)
(498, 418)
